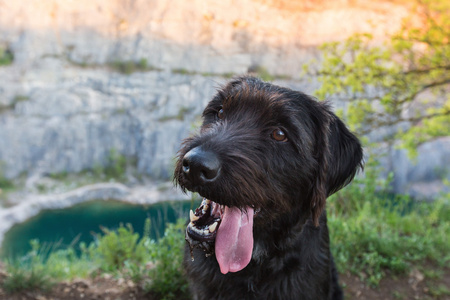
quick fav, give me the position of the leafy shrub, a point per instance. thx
(115, 166)
(28, 272)
(183, 71)
(20, 279)
(401, 83)
(6, 57)
(130, 66)
(5, 183)
(114, 248)
(374, 232)
(168, 279)
(156, 265)
(263, 73)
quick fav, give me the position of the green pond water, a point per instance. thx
(77, 223)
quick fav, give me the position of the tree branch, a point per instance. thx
(415, 120)
(421, 71)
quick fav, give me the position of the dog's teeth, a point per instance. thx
(205, 208)
(205, 231)
(192, 216)
(213, 227)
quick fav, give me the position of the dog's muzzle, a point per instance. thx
(215, 228)
(200, 167)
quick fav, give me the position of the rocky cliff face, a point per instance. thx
(63, 109)
(215, 37)
(69, 119)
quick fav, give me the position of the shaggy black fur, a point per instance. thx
(287, 178)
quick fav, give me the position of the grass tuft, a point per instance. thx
(374, 232)
(26, 280)
(154, 265)
(6, 57)
(168, 280)
(130, 66)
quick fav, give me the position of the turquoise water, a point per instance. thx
(77, 223)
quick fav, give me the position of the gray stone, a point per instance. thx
(63, 109)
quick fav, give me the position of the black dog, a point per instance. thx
(265, 160)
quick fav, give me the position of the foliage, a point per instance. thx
(129, 66)
(265, 75)
(59, 176)
(155, 265)
(402, 82)
(6, 57)
(183, 71)
(39, 267)
(374, 232)
(114, 248)
(5, 183)
(22, 280)
(168, 280)
(262, 73)
(115, 166)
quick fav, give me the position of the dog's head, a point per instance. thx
(263, 151)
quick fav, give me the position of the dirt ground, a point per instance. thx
(413, 286)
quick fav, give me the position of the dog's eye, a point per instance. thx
(220, 114)
(279, 135)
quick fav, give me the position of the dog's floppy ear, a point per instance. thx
(345, 156)
(339, 157)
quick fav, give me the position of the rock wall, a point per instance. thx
(215, 37)
(70, 119)
(62, 109)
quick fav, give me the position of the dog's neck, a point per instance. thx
(283, 236)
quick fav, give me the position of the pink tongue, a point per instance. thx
(234, 240)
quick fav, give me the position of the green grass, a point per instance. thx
(154, 265)
(439, 291)
(130, 66)
(168, 280)
(10, 106)
(6, 57)
(265, 75)
(22, 280)
(116, 248)
(6, 185)
(179, 116)
(373, 233)
(184, 71)
(20, 98)
(114, 167)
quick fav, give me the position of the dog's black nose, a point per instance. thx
(201, 166)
